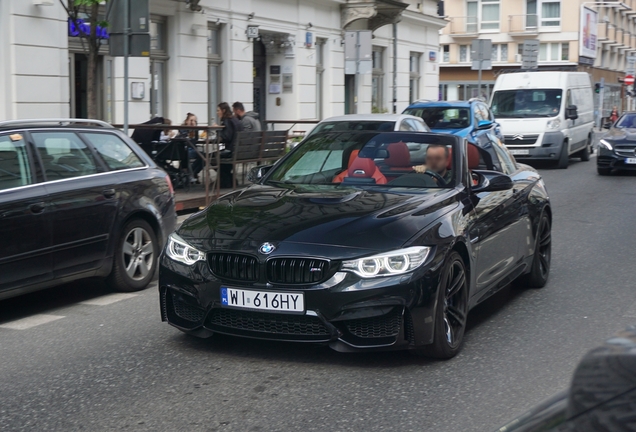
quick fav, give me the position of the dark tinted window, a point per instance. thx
(15, 170)
(64, 155)
(115, 152)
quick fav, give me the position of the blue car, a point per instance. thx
(467, 119)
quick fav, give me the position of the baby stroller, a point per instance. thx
(172, 156)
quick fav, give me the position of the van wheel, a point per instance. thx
(564, 158)
(135, 257)
(585, 153)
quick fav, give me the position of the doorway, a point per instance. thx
(350, 105)
(260, 74)
(78, 75)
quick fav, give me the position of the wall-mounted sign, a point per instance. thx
(137, 90)
(252, 32)
(288, 83)
(588, 32)
(274, 70)
(309, 39)
(432, 56)
(274, 88)
(79, 27)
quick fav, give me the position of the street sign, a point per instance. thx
(629, 80)
(358, 52)
(481, 53)
(530, 54)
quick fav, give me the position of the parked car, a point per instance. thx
(617, 149)
(467, 119)
(545, 115)
(601, 396)
(370, 122)
(375, 259)
(78, 199)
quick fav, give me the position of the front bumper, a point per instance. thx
(346, 312)
(609, 159)
(549, 149)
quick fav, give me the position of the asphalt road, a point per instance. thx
(78, 357)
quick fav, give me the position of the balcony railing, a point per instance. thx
(467, 25)
(523, 24)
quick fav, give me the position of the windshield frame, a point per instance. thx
(516, 113)
(455, 143)
(438, 109)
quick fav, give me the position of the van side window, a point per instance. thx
(64, 155)
(15, 170)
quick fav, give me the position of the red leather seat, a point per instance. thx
(398, 162)
(338, 178)
(365, 168)
(473, 157)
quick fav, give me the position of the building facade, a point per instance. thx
(563, 30)
(292, 67)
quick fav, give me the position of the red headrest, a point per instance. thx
(473, 156)
(399, 155)
(449, 164)
(352, 157)
(362, 168)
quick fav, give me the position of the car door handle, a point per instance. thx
(109, 193)
(37, 207)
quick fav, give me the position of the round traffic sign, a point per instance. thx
(629, 80)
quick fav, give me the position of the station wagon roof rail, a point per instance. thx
(55, 122)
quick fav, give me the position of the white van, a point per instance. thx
(545, 115)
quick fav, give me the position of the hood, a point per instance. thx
(327, 217)
(459, 132)
(621, 134)
(252, 114)
(530, 126)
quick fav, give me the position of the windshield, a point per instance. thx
(368, 158)
(525, 103)
(443, 117)
(355, 125)
(626, 121)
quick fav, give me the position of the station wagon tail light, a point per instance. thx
(180, 251)
(170, 185)
(388, 264)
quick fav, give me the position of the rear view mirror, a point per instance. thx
(257, 173)
(571, 112)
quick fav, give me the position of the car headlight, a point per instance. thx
(180, 251)
(388, 264)
(606, 144)
(554, 124)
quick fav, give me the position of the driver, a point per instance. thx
(437, 162)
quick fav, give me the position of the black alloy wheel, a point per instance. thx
(452, 310)
(540, 271)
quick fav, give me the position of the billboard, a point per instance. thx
(588, 32)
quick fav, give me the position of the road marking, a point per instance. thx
(631, 312)
(108, 299)
(32, 321)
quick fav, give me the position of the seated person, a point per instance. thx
(437, 161)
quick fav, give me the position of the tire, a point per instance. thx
(451, 310)
(540, 270)
(137, 243)
(585, 153)
(564, 158)
(603, 171)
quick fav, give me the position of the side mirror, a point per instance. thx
(571, 112)
(257, 173)
(492, 182)
(484, 124)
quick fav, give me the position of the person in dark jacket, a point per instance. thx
(249, 120)
(192, 136)
(228, 137)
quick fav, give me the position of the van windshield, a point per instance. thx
(525, 103)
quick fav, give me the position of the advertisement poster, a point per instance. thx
(588, 39)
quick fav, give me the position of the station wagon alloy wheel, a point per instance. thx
(139, 254)
(455, 304)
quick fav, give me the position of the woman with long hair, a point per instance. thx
(192, 136)
(228, 136)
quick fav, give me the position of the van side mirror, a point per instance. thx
(257, 173)
(571, 112)
(484, 124)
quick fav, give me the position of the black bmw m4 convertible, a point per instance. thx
(362, 241)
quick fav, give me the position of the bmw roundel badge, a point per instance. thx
(266, 248)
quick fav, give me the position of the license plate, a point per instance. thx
(519, 152)
(262, 300)
(630, 161)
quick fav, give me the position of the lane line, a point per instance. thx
(108, 299)
(29, 322)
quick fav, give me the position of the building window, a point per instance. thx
(377, 86)
(499, 53)
(158, 66)
(320, 69)
(445, 53)
(484, 12)
(464, 53)
(546, 13)
(414, 81)
(214, 68)
(554, 51)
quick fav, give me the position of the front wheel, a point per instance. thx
(135, 257)
(585, 153)
(451, 311)
(564, 158)
(540, 270)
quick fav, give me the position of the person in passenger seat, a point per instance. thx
(437, 160)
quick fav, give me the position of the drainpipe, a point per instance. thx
(394, 68)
